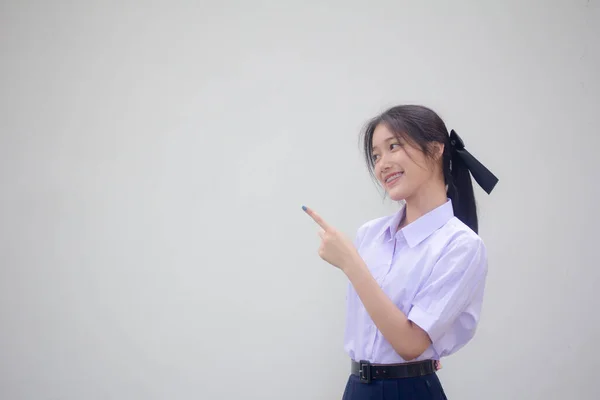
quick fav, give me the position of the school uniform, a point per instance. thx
(434, 270)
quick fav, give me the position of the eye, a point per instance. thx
(374, 157)
(395, 144)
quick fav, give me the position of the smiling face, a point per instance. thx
(401, 168)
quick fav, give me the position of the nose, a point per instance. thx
(383, 162)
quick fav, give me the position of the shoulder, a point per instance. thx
(376, 223)
(459, 234)
(460, 246)
(372, 228)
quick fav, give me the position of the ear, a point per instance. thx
(437, 150)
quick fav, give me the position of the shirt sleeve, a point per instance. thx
(448, 304)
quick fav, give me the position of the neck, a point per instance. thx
(422, 202)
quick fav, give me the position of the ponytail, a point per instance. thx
(459, 164)
(460, 191)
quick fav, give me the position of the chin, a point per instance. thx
(397, 194)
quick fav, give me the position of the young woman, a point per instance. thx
(417, 277)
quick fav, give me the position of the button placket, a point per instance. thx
(398, 242)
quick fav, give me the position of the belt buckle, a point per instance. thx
(364, 371)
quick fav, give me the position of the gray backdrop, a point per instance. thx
(154, 158)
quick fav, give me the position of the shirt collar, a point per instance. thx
(423, 227)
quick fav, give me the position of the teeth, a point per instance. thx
(393, 177)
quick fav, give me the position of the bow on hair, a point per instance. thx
(483, 176)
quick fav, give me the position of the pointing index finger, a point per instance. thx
(317, 218)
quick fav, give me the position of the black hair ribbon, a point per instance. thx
(483, 176)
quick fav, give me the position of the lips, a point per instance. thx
(390, 179)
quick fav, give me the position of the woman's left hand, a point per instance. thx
(335, 248)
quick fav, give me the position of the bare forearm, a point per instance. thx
(407, 339)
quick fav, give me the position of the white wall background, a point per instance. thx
(154, 157)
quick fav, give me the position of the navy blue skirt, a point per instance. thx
(426, 387)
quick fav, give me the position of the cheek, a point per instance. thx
(377, 171)
(419, 173)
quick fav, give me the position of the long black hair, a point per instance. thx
(421, 127)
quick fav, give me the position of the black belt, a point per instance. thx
(367, 371)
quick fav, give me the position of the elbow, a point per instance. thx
(409, 356)
(411, 343)
(418, 342)
(411, 351)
